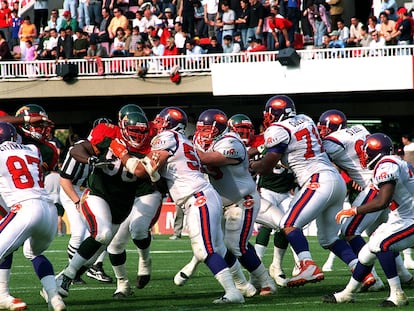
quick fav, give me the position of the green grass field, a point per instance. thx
(199, 292)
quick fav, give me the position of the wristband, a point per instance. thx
(77, 202)
(26, 119)
(153, 174)
(131, 164)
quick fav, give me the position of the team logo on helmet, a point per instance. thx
(376, 146)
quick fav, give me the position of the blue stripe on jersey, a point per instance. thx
(335, 141)
(280, 148)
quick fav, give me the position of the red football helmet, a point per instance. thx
(211, 124)
(134, 129)
(171, 118)
(39, 131)
(375, 147)
(242, 125)
(278, 108)
(331, 121)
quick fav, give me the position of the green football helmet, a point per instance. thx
(242, 125)
(39, 131)
(134, 129)
(125, 110)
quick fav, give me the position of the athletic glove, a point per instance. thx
(118, 148)
(345, 213)
(94, 161)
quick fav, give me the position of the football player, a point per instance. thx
(144, 214)
(395, 183)
(33, 130)
(173, 157)
(224, 156)
(344, 147)
(110, 195)
(32, 219)
(73, 179)
(274, 192)
(294, 139)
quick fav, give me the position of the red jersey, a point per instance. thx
(280, 23)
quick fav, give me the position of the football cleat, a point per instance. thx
(367, 282)
(184, 274)
(144, 272)
(247, 289)
(175, 237)
(12, 303)
(309, 273)
(123, 290)
(142, 281)
(377, 286)
(56, 304)
(278, 275)
(97, 272)
(78, 281)
(340, 297)
(63, 283)
(230, 297)
(180, 278)
(399, 300)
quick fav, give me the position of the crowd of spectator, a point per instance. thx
(114, 28)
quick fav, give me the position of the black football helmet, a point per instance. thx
(7, 132)
(211, 125)
(134, 129)
(171, 118)
(242, 125)
(331, 121)
(375, 147)
(278, 108)
(39, 131)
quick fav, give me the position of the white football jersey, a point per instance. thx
(182, 170)
(344, 147)
(232, 182)
(392, 168)
(298, 139)
(20, 173)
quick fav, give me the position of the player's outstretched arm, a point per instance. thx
(83, 152)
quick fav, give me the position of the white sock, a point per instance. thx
(237, 273)
(302, 256)
(407, 254)
(4, 282)
(49, 284)
(101, 257)
(352, 285)
(278, 254)
(402, 271)
(120, 271)
(395, 286)
(226, 280)
(75, 264)
(260, 250)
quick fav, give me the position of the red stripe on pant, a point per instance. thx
(5, 221)
(301, 203)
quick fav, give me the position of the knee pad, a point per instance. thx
(104, 236)
(233, 217)
(365, 256)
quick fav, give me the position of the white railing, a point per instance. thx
(188, 65)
